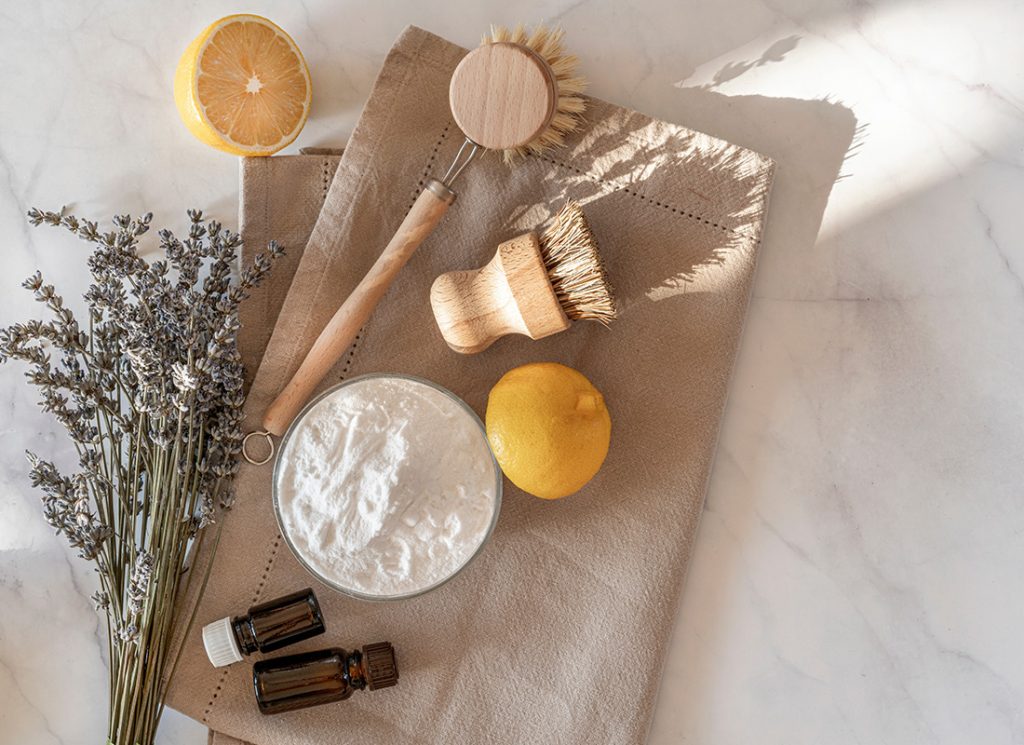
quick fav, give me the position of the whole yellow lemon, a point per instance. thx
(548, 427)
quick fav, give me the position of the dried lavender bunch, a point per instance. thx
(149, 389)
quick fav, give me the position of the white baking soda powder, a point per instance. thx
(386, 486)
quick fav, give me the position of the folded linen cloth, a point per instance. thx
(284, 196)
(556, 632)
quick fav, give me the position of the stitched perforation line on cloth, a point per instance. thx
(633, 193)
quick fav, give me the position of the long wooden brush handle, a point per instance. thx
(336, 337)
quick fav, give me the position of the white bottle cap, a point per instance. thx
(221, 645)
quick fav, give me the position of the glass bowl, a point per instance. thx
(333, 583)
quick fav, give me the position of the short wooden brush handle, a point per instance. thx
(474, 308)
(510, 295)
(339, 333)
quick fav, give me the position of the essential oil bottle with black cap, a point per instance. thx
(322, 677)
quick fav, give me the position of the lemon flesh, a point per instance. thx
(242, 86)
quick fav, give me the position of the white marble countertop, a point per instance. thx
(857, 574)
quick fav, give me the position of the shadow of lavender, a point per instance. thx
(732, 70)
(631, 160)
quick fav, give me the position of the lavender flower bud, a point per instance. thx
(138, 585)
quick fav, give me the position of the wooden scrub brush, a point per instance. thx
(534, 285)
(516, 93)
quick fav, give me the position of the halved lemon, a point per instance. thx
(243, 86)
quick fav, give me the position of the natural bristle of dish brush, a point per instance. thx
(547, 44)
(575, 269)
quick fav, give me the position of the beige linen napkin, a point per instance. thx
(556, 632)
(279, 199)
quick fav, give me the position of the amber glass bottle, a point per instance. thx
(266, 627)
(322, 677)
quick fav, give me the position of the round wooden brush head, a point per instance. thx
(517, 92)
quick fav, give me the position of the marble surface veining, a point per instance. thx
(857, 575)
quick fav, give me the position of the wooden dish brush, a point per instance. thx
(515, 93)
(534, 285)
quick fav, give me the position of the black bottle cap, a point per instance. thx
(380, 666)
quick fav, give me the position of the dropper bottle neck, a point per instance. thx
(355, 670)
(244, 634)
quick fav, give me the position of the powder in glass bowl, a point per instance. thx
(386, 486)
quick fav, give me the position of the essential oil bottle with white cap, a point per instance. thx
(266, 627)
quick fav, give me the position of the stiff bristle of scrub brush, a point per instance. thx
(575, 268)
(547, 44)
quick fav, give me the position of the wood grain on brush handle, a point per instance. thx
(339, 333)
(511, 294)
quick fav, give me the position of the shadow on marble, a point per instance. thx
(776, 52)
